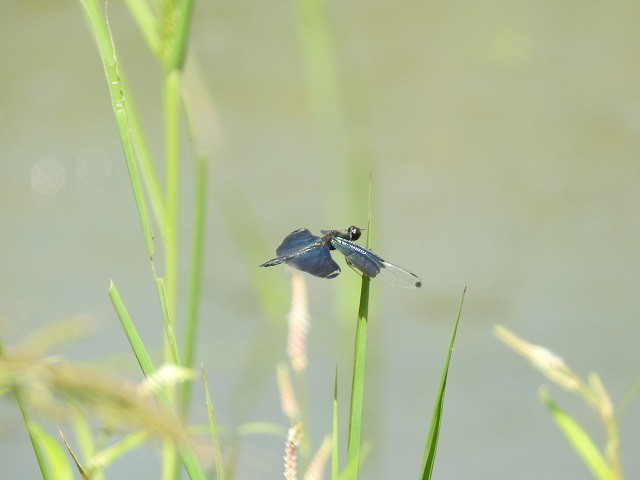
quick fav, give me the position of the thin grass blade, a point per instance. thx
(195, 282)
(188, 458)
(144, 360)
(357, 385)
(431, 446)
(578, 439)
(84, 438)
(27, 421)
(75, 459)
(53, 453)
(100, 28)
(213, 429)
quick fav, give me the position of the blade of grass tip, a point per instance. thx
(188, 458)
(212, 426)
(357, 386)
(100, 27)
(84, 438)
(429, 457)
(197, 261)
(144, 360)
(335, 468)
(73, 455)
(54, 454)
(27, 421)
(169, 464)
(578, 439)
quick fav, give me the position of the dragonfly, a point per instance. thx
(312, 254)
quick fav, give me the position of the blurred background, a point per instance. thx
(504, 140)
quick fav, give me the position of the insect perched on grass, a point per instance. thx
(309, 253)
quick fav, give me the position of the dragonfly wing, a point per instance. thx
(373, 266)
(316, 261)
(296, 241)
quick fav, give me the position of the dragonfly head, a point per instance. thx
(354, 232)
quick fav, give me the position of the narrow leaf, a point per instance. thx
(578, 439)
(53, 453)
(360, 351)
(429, 457)
(197, 262)
(187, 456)
(100, 28)
(75, 459)
(213, 429)
(144, 360)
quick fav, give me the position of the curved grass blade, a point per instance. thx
(429, 457)
(578, 439)
(27, 421)
(53, 453)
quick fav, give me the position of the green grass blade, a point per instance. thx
(100, 28)
(144, 360)
(53, 453)
(357, 384)
(75, 458)
(146, 164)
(429, 457)
(197, 262)
(84, 438)
(357, 387)
(213, 429)
(27, 421)
(188, 458)
(335, 468)
(171, 109)
(579, 440)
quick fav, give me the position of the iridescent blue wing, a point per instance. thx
(303, 251)
(373, 266)
(316, 261)
(296, 241)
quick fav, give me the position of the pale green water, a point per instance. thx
(505, 140)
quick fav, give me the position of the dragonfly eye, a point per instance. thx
(354, 232)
